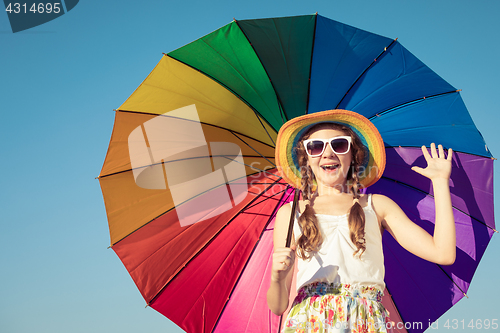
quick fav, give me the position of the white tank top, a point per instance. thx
(334, 262)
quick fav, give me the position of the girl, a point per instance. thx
(337, 233)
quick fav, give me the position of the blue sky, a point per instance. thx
(59, 84)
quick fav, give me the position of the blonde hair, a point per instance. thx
(311, 238)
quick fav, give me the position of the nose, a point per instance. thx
(328, 151)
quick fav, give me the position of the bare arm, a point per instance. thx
(439, 248)
(283, 261)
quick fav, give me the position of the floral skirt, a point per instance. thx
(330, 308)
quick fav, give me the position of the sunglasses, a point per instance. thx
(339, 145)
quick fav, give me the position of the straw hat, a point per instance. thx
(291, 132)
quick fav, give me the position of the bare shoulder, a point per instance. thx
(283, 211)
(383, 205)
(390, 214)
(381, 201)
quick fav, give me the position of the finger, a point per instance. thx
(426, 153)
(284, 254)
(441, 151)
(433, 150)
(450, 154)
(417, 169)
(285, 264)
(280, 265)
(279, 257)
(282, 250)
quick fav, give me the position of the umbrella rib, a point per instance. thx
(251, 166)
(258, 203)
(130, 233)
(196, 121)
(207, 124)
(412, 102)
(367, 68)
(186, 159)
(431, 196)
(264, 127)
(455, 151)
(442, 269)
(310, 63)
(284, 118)
(255, 150)
(208, 243)
(437, 126)
(253, 250)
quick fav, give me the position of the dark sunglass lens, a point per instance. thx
(340, 145)
(315, 147)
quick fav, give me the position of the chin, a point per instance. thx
(334, 179)
(332, 182)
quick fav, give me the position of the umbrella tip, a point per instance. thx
(466, 295)
(234, 19)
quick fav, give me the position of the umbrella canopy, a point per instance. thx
(191, 189)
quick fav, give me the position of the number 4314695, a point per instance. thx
(39, 8)
(473, 324)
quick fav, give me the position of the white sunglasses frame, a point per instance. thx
(328, 141)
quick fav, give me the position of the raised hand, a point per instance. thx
(438, 166)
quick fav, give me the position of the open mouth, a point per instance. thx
(330, 167)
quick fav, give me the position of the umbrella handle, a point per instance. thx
(292, 217)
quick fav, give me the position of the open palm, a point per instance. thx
(438, 166)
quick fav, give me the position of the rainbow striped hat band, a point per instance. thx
(291, 132)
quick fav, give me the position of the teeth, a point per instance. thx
(330, 167)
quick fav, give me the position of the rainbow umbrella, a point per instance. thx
(191, 189)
